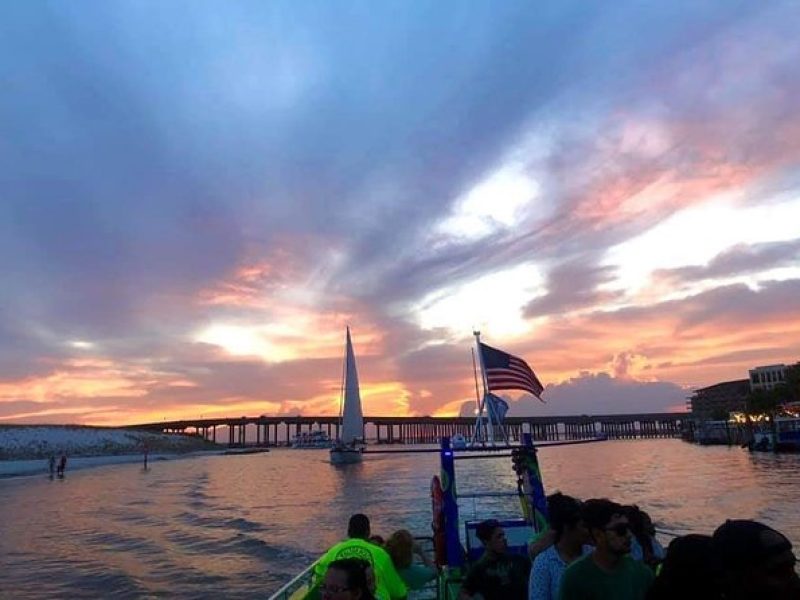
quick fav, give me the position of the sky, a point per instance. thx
(196, 198)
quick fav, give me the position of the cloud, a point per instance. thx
(572, 286)
(599, 393)
(281, 170)
(741, 259)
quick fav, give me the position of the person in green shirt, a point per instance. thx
(608, 573)
(388, 584)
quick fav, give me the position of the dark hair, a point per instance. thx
(356, 571)
(400, 547)
(563, 511)
(597, 512)
(486, 528)
(741, 543)
(690, 571)
(358, 527)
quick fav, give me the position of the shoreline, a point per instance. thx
(13, 469)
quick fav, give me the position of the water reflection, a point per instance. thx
(235, 526)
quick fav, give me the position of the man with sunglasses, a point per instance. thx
(608, 573)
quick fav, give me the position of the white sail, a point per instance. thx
(352, 419)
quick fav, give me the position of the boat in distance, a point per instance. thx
(312, 439)
(346, 449)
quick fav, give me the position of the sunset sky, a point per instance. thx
(197, 197)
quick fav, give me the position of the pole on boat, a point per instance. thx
(455, 557)
(532, 486)
(480, 422)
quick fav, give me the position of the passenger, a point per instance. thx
(570, 534)
(402, 548)
(497, 575)
(644, 545)
(346, 579)
(756, 562)
(689, 571)
(389, 585)
(607, 573)
(541, 543)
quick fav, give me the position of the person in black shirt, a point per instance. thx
(497, 575)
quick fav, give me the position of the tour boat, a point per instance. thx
(347, 449)
(787, 434)
(783, 436)
(455, 539)
(312, 439)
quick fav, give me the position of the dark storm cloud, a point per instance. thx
(570, 286)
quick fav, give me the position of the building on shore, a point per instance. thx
(766, 378)
(719, 400)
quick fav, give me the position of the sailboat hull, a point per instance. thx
(345, 456)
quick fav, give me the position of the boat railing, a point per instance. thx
(303, 580)
(306, 579)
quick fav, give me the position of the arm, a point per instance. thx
(469, 586)
(394, 584)
(426, 560)
(539, 582)
(542, 543)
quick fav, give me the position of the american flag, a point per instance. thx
(507, 372)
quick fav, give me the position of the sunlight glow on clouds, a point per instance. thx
(245, 340)
(492, 303)
(696, 235)
(493, 204)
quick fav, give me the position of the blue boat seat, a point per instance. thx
(518, 533)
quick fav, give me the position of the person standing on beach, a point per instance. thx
(146, 449)
(62, 465)
(52, 465)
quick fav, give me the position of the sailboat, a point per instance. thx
(346, 449)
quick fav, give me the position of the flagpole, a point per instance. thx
(490, 427)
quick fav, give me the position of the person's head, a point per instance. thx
(377, 540)
(358, 526)
(689, 571)
(491, 534)
(347, 579)
(608, 526)
(756, 561)
(566, 521)
(400, 546)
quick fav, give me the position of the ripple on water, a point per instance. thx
(201, 529)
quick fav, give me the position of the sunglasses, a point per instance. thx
(620, 529)
(332, 589)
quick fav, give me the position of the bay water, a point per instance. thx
(240, 526)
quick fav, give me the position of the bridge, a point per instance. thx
(266, 431)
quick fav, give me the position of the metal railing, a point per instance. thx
(303, 580)
(306, 580)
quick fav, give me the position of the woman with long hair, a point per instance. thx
(402, 547)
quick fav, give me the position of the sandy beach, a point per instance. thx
(25, 450)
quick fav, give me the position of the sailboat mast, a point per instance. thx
(341, 391)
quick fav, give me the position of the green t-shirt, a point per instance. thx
(584, 580)
(388, 584)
